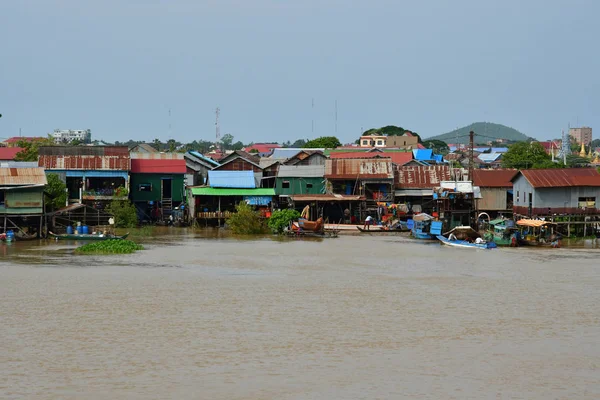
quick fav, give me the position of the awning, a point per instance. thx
(413, 192)
(325, 197)
(97, 174)
(536, 223)
(209, 191)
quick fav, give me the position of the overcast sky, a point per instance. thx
(117, 67)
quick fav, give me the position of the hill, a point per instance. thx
(484, 132)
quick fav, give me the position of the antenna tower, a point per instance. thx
(217, 129)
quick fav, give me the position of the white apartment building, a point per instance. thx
(69, 135)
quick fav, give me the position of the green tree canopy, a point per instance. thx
(55, 193)
(438, 146)
(390, 130)
(524, 155)
(326, 142)
(31, 148)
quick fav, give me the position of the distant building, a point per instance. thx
(63, 136)
(403, 142)
(581, 135)
(14, 141)
(262, 149)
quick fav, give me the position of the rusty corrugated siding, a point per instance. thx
(22, 176)
(421, 177)
(492, 199)
(113, 151)
(50, 162)
(355, 168)
(156, 156)
(540, 178)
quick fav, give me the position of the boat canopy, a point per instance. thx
(536, 223)
(497, 221)
(423, 217)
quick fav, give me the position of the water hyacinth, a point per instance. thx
(111, 246)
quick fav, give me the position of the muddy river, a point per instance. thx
(198, 315)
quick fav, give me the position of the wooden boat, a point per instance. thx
(465, 244)
(308, 226)
(379, 229)
(502, 232)
(82, 236)
(423, 227)
(538, 233)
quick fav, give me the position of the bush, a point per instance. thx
(246, 221)
(281, 219)
(110, 246)
(124, 213)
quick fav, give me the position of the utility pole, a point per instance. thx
(217, 129)
(471, 160)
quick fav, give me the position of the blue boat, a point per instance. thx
(465, 244)
(424, 228)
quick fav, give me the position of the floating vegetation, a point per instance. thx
(111, 246)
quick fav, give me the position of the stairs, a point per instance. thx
(167, 207)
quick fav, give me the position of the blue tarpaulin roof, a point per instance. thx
(489, 157)
(438, 158)
(423, 154)
(499, 149)
(231, 179)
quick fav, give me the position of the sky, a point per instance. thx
(146, 69)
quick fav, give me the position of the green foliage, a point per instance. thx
(110, 246)
(595, 143)
(576, 161)
(124, 213)
(246, 221)
(281, 219)
(438, 146)
(31, 148)
(326, 142)
(488, 131)
(524, 155)
(55, 193)
(390, 130)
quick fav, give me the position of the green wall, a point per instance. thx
(154, 179)
(299, 186)
(23, 201)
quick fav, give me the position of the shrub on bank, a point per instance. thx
(246, 221)
(111, 246)
(281, 219)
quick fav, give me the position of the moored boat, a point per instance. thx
(423, 227)
(538, 233)
(86, 236)
(466, 244)
(502, 232)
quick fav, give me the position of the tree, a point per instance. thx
(325, 142)
(298, 144)
(437, 146)
(390, 130)
(227, 141)
(31, 148)
(281, 219)
(595, 143)
(172, 145)
(524, 155)
(246, 221)
(55, 194)
(157, 144)
(237, 145)
(124, 213)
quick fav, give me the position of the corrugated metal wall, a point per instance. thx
(492, 199)
(120, 163)
(353, 168)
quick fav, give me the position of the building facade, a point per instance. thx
(581, 135)
(70, 135)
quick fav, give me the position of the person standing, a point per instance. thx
(368, 222)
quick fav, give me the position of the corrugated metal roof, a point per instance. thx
(114, 162)
(121, 151)
(489, 157)
(494, 177)
(210, 191)
(325, 197)
(421, 177)
(288, 152)
(561, 177)
(231, 179)
(266, 162)
(18, 164)
(356, 168)
(22, 176)
(457, 186)
(157, 166)
(499, 149)
(156, 156)
(9, 153)
(301, 171)
(397, 157)
(204, 158)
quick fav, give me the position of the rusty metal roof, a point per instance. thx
(421, 177)
(356, 168)
(156, 156)
(494, 177)
(84, 151)
(22, 176)
(325, 197)
(545, 178)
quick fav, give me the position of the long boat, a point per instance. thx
(85, 236)
(538, 233)
(379, 229)
(502, 232)
(465, 244)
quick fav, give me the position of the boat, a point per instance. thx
(308, 226)
(423, 227)
(538, 233)
(380, 229)
(503, 232)
(466, 243)
(86, 236)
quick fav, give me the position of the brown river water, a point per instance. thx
(202, 316)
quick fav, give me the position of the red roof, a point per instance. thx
(494, 177)
(9, 153)
(546, 178)
(398, 157)
(420, 146)
(262, 147)
(421, 177)
(15, 139)
(141, 166)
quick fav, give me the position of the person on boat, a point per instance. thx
(368, 222)
(479, 241)
(452, 237)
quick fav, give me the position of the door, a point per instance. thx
(167, 188)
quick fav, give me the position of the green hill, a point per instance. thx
(484, 132)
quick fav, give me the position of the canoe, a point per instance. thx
(82, 236)
(379, 229)
(465, 244)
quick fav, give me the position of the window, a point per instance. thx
(365, 142)
(379, 142)
(145, 187)
(517, 196)
(587, 202)
(285, 184)
(309, 185)
(2, 197)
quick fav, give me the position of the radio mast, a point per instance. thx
(217, 129)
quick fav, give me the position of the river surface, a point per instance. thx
(203, 316)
